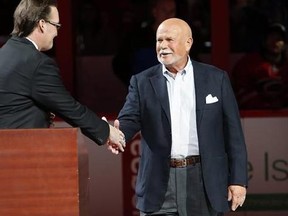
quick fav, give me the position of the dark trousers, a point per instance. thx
(185, 195)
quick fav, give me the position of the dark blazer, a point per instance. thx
(221, 141)
(31, 87)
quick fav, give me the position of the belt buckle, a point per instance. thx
(192, 160)
(181, 163)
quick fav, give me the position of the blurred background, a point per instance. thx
(105, 42)
(102, 43)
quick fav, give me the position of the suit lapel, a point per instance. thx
(199, 80)
(158, 83)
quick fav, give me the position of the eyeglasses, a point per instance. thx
(57, 25)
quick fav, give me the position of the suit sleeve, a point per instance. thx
(234, 138)
(49, 92)
(129, 115)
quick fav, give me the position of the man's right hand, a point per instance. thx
(116, 141)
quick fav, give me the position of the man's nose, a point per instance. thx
(163, 44)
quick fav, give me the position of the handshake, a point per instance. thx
(116, 140)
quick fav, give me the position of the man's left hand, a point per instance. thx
(237, 195)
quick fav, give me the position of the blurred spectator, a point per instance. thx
(128, 17)
(96, 34)
(247, 25)
(137, 51)
(261, 79)
(275, 10)
(197, 13)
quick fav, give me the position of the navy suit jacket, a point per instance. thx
(221, 141)
(31, 87)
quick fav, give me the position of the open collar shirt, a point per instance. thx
(182, 101)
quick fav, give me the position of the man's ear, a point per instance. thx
(41, 25)
(189, 44)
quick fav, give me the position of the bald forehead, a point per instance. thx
(177, 24)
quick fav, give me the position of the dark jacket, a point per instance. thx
(31, 87)
(221, 141)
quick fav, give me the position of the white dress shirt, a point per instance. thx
(181, 92)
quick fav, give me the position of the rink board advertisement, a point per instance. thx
(267, 145)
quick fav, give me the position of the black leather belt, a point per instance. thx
(184, 162)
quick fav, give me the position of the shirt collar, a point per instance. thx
(32, 42)
(185, 70)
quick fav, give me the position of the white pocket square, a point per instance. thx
(210, 99)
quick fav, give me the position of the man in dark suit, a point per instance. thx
(30, 84)
(193, 159)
